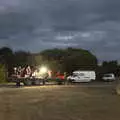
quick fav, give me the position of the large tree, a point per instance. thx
(71, 58)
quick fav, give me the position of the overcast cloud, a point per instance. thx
(35, 25)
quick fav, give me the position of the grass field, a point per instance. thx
(59, 103)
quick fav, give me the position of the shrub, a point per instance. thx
(2, 74)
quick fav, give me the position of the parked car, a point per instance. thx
(108, 77)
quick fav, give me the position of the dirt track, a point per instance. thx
(59, 103)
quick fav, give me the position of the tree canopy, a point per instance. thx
(64, 60)
(71, 58)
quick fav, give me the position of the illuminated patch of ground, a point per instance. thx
(59, 103)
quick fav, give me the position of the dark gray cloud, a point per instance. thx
(34, 25)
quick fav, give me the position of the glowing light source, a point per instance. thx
(43, 70)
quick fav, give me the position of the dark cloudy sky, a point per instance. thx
(34, 25)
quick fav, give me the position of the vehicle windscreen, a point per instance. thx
(108, 75)
(74, 75)
(78, 74)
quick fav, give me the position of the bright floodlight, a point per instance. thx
(43, 70)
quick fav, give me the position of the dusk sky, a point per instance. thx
(35, 25)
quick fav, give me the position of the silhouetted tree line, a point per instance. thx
(109, 67)
(63, 60)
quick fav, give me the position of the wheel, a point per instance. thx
(27, 82)
(91, 80)
(43, 81)
(18, 83)
(59, 83)
(36, 82)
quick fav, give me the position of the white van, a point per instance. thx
(82, 76)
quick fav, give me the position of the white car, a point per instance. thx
(108, 77)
